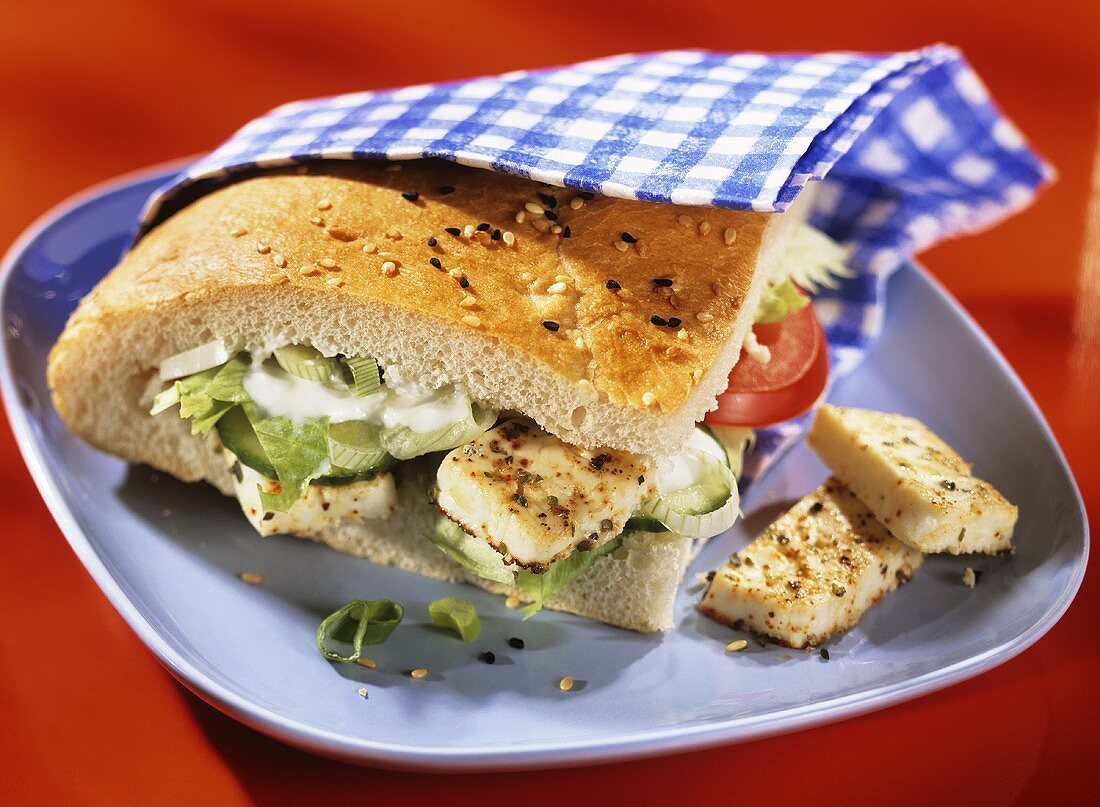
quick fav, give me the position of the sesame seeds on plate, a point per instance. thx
(252, 578)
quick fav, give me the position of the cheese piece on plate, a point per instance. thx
(913, 481)
(813, 572)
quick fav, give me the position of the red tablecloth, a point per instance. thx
(89, 90)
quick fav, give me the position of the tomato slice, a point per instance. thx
(785, 387)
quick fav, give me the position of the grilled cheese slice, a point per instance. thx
(813, 572)
(913, 482)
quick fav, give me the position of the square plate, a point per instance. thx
(167, 555)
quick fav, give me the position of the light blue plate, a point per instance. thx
(167, 555)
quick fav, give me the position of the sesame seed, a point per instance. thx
(468, 230)
(237, 232)
(629, 238)
(613, 285)
(547, 199)
(252, 578)
(362, 692)
(648, 399)
(704, 316)
(495, 234)
(489, 657)
(662, 281)
(516, 643)
(824, 653)
(484, 227)
(327, 263)
(550, 325)
(674, 322)
(452, 231)
(696, 374)
(463, 282)
(556, 288)
(263, 249)
(641, 247)
(335, 281)
(674, 301)
(660, 322)
(468, 302)
(704, 227)
(509, 238)
(566, 683)
(369, 248)
(682, 334)
(310, 271)
(279, 278)
(279, 260)
(366, 661)
(531, 207)
(521, 217)
(738, 644)
(438, 264)
(317, 221)
(567, 232)
(455, 273)
(389, 269)
(542, 225)
(576, 203)
(556, 229)
(324, 204)
(550, 214)
(685, 220)
(412, 196)
(588, 197)
(432, 242)
(419, 673)
(446, 190)
(622, 246)
(512, 602)
(472, 321)
(729, 236)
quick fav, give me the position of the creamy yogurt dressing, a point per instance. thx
(397, 403)
(687, 468)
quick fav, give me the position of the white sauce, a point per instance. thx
(397, 404)
(686, 468)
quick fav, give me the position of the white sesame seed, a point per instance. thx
(366, 661)
(579, 343)
(310, 271)
(729, 236)
(455, 273)
(531, 207)
(556, 229)
(369, 248)
(682, 333)
(472, 321)
(566, 683)
(562, 278)
(676, 288)
(237, 232)
(335, 281)
(512, 602)
(696, 374)
(468, 302)
(622, 246)
(648, 399)
(394, 234)
(388, 256)
(389, 269)
(362, 692)
(969, 578)
(279, 278)
(324, 204)
(525, 277)
(317, 221)
(263, 249)
(641, 247)
(521, 217)
(685, 220)
(704, 316)
(509, 238)
(419, 673)
(542, 225)
(556, 288)
(252, 578)
(279, 259)
(704, 227)
(327, 263)
(576, 203)
(737, 644)
(468, 230)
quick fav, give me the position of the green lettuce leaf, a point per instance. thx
(298, 452)
(810, 260)
(204, 397)
(779, 301)
(539, 587)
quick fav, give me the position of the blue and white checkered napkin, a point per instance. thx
(913, 148)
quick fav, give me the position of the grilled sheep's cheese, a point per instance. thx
(321, 506)
(535, 498)
(813, 572)
(913, 481)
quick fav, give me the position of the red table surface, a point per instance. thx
(89, 90)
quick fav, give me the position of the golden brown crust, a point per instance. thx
(314, 231)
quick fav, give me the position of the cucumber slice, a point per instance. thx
(305, 362)
(354, 446)
(643, 522)
(705, 508)
(237, 435)
(472, 553)
(365, 375)
(404, 444)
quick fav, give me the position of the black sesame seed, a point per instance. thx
(550, 214)
(432, 242)
(464, 283)
(598, 462)
(641, 480)
(567, 232)
(824, 653)
(550, 325)
(947, 484)
(816, 508)
(547, 199)
(675, 322)
(629, 238)
(484, 227)
(489, 657)
(516, 642)
(495, 235)
(662, 281)
(268, 516)
(614, 285)
(660, 322)
(452, 231)
(412, 196)
(588, 197)
(438, 264)
(446, 190)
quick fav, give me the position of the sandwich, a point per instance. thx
(468, 375)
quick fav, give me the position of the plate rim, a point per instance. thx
(619, 747)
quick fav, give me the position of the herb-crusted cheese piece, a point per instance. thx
(913, 482)
(813, 572)
(535, 498)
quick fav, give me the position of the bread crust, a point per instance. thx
(341, 256)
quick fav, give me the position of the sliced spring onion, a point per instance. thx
(360, 622)
(365, 376)
(705, 508)
(403, 443)
(458, 615)
(735, 441)
(194, 360)
(354, 446)
(308, 363)
(472, 553)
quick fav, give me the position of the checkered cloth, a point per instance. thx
(913, 149)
